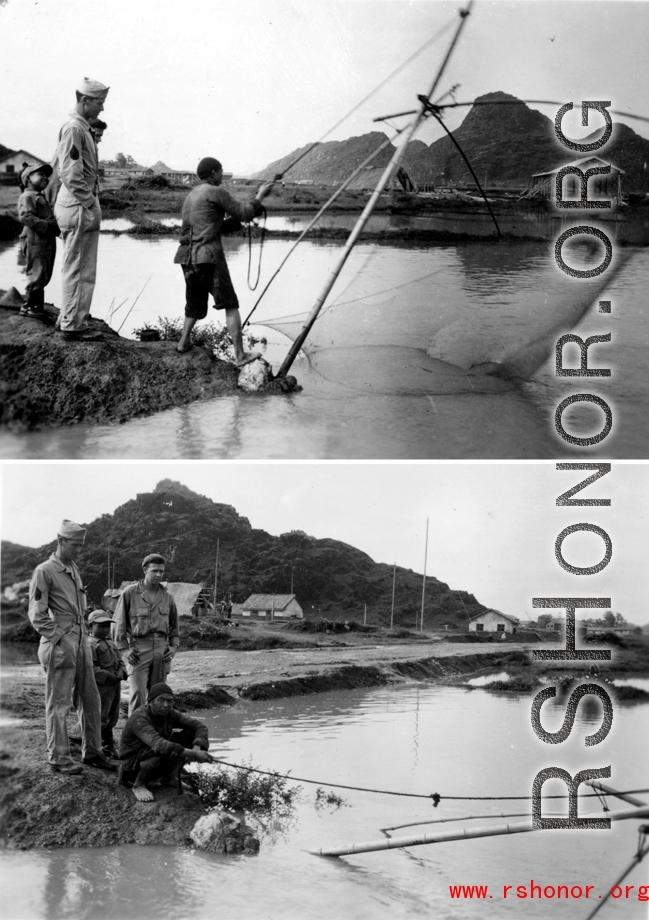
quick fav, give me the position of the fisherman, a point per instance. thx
(146, 630)
(109, 673)
(151, 750)
(201, 253)
(38, 238)
(77, 211)
(57, 604)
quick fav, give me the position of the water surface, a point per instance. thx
(410, 738)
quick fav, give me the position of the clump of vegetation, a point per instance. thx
(521, 684)
(215, 339)
(328, 800)
(232, 789)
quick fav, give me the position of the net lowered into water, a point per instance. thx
(449, 318)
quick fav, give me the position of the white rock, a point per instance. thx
(255, 376)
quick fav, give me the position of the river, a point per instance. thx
(411, 321)
(409, 738)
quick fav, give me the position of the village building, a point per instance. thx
(607, 186)
(13, 164)
(493, 621)
(271, 606)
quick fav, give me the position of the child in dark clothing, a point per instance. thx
(38, 238)
(109, 672)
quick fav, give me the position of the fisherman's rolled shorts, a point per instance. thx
(208, 278)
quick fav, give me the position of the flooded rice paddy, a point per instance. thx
(411, 738)
(394, 375)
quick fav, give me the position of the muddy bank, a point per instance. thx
(47, 381)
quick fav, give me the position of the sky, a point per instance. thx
(492, 526)
(250, 81)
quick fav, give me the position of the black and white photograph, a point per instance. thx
(377, 184)
(346, 654)
(324, 492)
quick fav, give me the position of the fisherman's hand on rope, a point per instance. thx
(265, 190)
(199, 755)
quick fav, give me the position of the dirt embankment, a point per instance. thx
(46, 381)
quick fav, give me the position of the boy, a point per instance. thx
(38, 238)
(109, 671)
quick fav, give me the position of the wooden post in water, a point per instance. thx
(423, 589)
(216, 573)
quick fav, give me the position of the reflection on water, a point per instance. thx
(414, 739)
(478, 303)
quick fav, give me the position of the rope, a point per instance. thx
(394, 73)
(412, 795)
(253, 287)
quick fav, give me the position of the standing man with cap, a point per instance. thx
(77, 210)
(147, 630)
(57, 603)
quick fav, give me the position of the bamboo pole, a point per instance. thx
(390, 169)
(394, 843)
(600, 787)
(637, 859)
(423, 588)
(216, 572)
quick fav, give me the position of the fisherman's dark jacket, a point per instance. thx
(145, 733)
(106, 660)
(203, 214)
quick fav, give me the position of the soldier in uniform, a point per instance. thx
(146, 630)
(57, 603)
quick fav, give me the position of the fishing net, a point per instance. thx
(428, 319)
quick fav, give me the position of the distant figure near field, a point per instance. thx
(201, 253)
(77, 211)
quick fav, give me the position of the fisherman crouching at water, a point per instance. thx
(39, 238)
(157, 742)
(201, 253)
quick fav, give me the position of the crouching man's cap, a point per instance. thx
(158, 690)
(68, 530)
(92, 88)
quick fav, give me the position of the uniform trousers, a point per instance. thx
(80, 236)
(70, 679)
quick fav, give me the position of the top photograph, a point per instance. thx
(334, 229)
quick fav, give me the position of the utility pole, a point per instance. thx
(291, 579)
(110, 581)
(394, 577)
(423, 588)
(272, 610)
(365, 616)
(216, 573)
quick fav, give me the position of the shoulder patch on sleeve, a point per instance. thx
(38, 593)
(74, 153)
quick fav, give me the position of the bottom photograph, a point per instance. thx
(315, 690)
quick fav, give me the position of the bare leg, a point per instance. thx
(183, 344)
(233, 321)
(149, 770)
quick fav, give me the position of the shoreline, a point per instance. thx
(41, 809)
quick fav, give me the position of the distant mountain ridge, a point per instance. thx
(330, 578)
(505, 142)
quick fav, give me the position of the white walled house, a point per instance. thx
(493, 621)
(272, 606)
